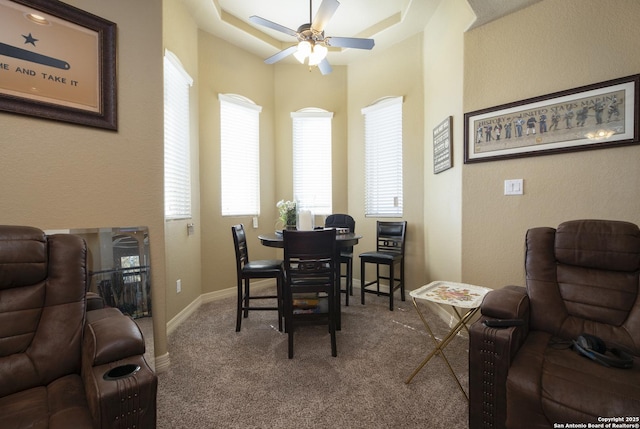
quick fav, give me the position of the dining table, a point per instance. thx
(274, 239)
(350, 239)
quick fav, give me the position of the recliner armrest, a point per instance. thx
(491, 351)
(510, 302)
(110, 338)
(94, 301)
(120, 386)
(128, 401)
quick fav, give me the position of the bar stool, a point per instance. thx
(259, 269)
(390, 252)
(339, 220)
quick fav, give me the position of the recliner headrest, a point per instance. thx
(600, 244)
(23, 256)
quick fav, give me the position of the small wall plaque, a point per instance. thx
(442, 146)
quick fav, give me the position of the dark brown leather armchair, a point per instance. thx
(581, 278)
(61, 366)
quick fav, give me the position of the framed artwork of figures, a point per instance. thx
(590, 117)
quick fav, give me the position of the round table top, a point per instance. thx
(275, 240)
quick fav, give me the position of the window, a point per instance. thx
(383, 158)
(240, 156)
(177, 168)
(130, 275)
(312, 159)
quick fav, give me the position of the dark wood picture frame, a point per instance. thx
(606, 115)
(58, 62)
(442, 146)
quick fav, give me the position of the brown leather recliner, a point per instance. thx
(581, 278)
(61, 366)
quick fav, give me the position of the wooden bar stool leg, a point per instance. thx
(239, 309)
(346, 299)
(350, 276)
(246, 298)
(391, 285)
(362, 282)
(402, 296)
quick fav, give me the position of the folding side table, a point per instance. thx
(457, 296)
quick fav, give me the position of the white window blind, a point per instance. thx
(240, 155)
(312, 159)
(383, 158)
(177, 161)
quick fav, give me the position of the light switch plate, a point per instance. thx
(513, 187)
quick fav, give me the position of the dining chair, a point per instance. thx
(258, 269)
(339, 220)
(310, 262)
(390, 239)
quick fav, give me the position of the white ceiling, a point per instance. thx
(386, 21)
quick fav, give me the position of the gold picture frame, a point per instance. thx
(57, 62)
(596, 116)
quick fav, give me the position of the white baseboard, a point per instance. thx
(162, 363)
(210, 297)
(183, 315)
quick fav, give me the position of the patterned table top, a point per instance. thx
(449, 293)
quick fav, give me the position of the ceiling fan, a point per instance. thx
(312, 44)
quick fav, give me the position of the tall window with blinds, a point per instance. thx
(383, 158)
(177, 160)
(240, 155)
(312, 182)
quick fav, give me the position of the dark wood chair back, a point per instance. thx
(390, 237)
(310, 259)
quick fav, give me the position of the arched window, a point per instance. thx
(383, 158)
(312, 159)
(240, 155)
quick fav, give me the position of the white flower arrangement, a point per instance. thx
(287, 212)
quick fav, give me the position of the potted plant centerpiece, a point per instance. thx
(287, 214)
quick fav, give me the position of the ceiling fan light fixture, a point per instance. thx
(300, 56)
(312, 44)
(317, 55)
(304, 48)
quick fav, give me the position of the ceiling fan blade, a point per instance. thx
(325, 67)
(324, 14)
(281, 55)
(270, 24)
(350, 42)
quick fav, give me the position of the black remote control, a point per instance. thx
(503, 323)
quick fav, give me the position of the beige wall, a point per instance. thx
(280, 90)
(183, 261)
(296, 87)
(443, 73)
(229, 70)
(393, 72)
(551, 46)
(56, 175)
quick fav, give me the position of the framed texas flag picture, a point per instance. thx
(57, 62)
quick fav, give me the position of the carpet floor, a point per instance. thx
(220, 378)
